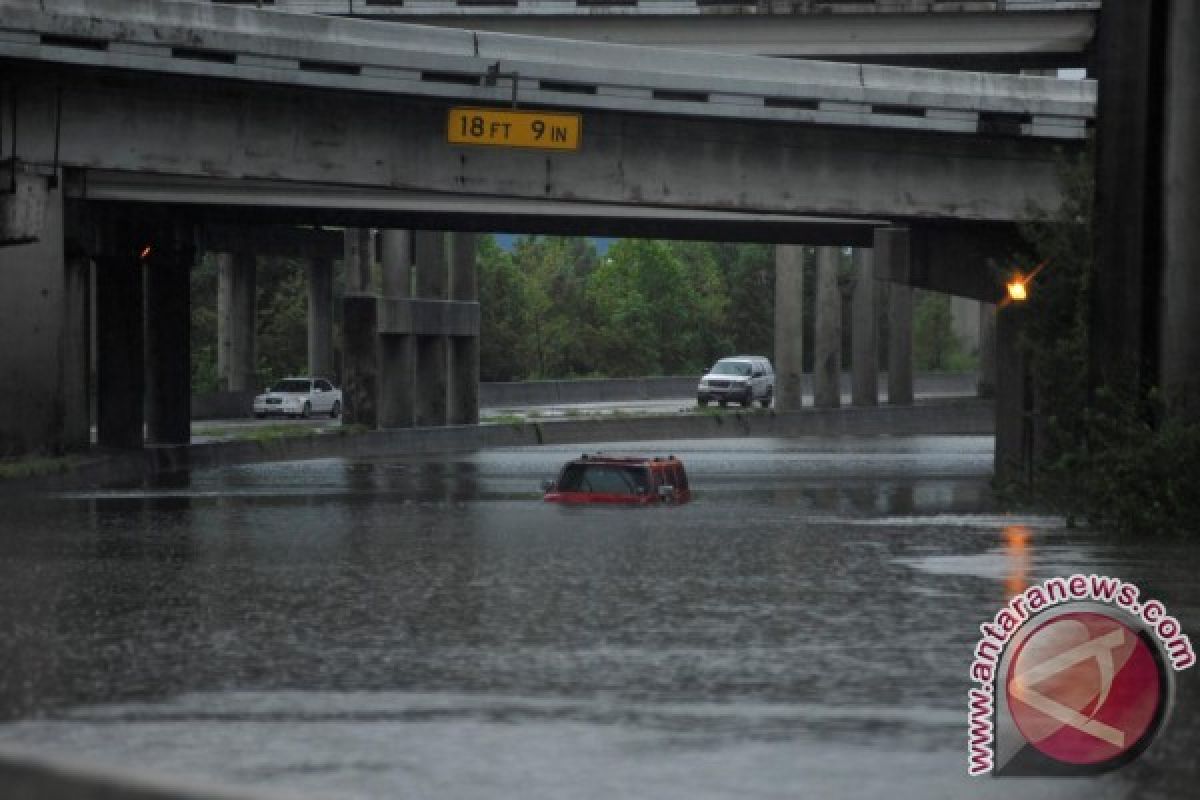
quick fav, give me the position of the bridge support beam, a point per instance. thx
(320, 316)
(789, 327)
(168, 275)
(893, 259)
(1179, 352)
(1014, 401)
(235, 321)
(865, 330)
(44, 336)
(120, 340)
(986, 387)
(397, 352)
(463, 402)
(827, 342)
(1123, 324)
(360, 357)
(431, 347)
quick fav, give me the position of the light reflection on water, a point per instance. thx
(808, 618)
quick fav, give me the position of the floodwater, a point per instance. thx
(427, 628)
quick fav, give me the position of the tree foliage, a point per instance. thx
(1107, 451)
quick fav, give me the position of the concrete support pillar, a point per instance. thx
(463, 401)
(892, 258)
(1123, 328)
(360, 362)
(431, 381)
(432, 351)
(987, 350)
(77, 351)
(357, 260)
(397, 352)
(789, 327)
(865, 335)
(827, 344)
(168, 340)
(236, 295)
(1179, 341)
(900, 357)
(320, 316)
(43, 336)
(120, 345)
(360, 345)
(1014, 401)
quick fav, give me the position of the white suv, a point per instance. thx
(741, 378)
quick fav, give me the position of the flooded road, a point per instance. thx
(428, 628)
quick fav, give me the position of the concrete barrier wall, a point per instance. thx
(518, 394)
(956, 416)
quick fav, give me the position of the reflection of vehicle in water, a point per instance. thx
(629, 480)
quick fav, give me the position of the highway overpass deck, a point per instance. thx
(418, 61)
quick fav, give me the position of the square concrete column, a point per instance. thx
(1179, 340)
(236, 299)
(397, 351)
(360, 362)
(1014, 401)
(986, 387)
(357, 260)
(120, 343)
(168, 271)
(77, 351)
(463, 401)
(43, 335)
(892, 254)
(432, 281)
(827, 343)
(789, 327)
(865, 334)
(320, 316)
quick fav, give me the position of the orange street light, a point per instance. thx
(1018, 285)
(146, 252)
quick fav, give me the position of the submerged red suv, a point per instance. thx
(620, 480)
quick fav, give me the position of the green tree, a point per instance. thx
(506, 338)
(661, 306)
(281, 319)
(935, 345)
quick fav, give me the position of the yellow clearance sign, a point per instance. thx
(500, 128)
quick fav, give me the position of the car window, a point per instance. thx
(291, 385)
(741, 368)
(324, 386)
(604, 478)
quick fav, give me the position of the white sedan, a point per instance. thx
(299, 397)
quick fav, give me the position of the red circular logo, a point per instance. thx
(1084, 688)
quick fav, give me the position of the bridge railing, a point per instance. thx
(243, 43)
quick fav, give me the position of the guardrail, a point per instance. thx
(449, 64)
(667, 7)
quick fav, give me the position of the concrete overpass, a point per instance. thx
(110, 107)
(994, 36)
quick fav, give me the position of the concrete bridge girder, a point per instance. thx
(205, 129)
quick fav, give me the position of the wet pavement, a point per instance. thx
(426, 627)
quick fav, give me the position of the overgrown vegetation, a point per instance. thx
(555, 308)
(1108, 453)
